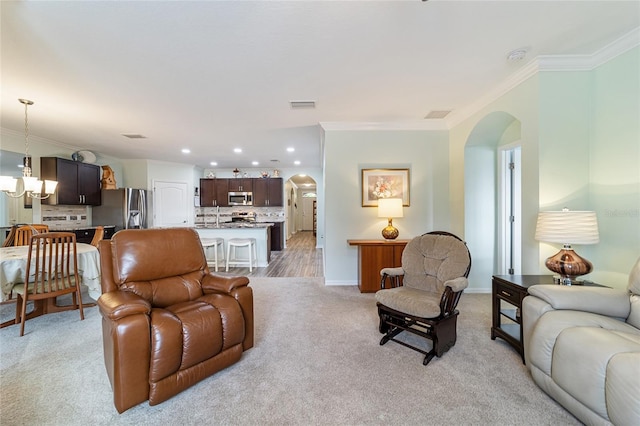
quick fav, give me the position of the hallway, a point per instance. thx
(300, 258)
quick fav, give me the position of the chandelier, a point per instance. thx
(31, 185)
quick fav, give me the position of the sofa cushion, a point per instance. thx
(581, 357)
(634, 289)
(623, 388)
(552, 323)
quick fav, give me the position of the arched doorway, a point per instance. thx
(301, 204)
(489, 200)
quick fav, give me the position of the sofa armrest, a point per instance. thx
(213, 283)
(116, 305)
(598, 300)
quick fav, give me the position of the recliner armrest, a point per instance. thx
(217, 283)
(598, 300)
(116, 305)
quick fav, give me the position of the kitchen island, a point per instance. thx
(260, 231)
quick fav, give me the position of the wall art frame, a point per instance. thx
(384, 183)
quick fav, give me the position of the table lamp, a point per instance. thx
(390, 208)
(568, 227)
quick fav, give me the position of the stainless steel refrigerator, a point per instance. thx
(126, 208)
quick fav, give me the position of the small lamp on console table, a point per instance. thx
(568, 227)
(390, 208)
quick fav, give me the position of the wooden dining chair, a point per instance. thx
(97, 237)
(24, 233)
(52, 271)
(11, 236)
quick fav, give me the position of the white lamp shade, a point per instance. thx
(567, 227)
(32, 184)
(390, 207)
(50, 186)
(8, 184)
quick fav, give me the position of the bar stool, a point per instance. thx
(250, 243)
(216, 243)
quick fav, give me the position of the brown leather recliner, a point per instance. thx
(167, 322)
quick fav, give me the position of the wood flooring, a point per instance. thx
(300, 258)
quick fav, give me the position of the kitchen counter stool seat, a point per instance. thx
(232, 258)
(218, 246)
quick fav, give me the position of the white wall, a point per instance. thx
(425, 153)
(580, 138)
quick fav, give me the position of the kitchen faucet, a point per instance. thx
(217, 216)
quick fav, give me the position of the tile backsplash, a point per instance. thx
(65, 217)
(207, 215)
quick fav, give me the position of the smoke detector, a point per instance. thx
(516, 55)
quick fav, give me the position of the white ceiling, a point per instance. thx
(214, 75)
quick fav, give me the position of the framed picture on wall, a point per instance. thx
(384, 183)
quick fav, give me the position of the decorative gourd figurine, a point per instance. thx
(108, 178)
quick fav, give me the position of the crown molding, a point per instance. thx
(38, 139)
(438, 124)
(549, 63)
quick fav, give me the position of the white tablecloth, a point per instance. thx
(13, 263)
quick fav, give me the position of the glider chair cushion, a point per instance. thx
(434, 272)
(582, 347)
(167, 321)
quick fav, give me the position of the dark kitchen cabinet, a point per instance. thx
(85, 235)
(267, 192)
(78, 183)
(276, 236)
(214, 192)
(241, 185)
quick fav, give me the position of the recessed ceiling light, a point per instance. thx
(186, 150)
(237, 150)
(291, 149)
(297, 163)
(213, 163)
(255, 163)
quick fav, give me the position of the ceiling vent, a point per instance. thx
(437, 114)
(302, 104)
(133, 136)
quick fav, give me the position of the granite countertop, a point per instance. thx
(77, 228)
(234, 225)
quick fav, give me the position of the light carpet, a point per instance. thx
(316, 361)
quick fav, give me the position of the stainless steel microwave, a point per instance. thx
(240, 198)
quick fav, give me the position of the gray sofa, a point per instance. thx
(582, 347)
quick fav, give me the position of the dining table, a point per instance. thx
(13, 266)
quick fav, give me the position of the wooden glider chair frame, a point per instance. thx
(439, 328)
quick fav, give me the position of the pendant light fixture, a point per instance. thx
(31, 185)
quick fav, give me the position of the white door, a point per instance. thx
(307, 213)
(171, 204)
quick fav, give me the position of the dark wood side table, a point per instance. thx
(373, 255)
(512, 289)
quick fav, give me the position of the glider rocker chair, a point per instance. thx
(434, 272)
(167, 322)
